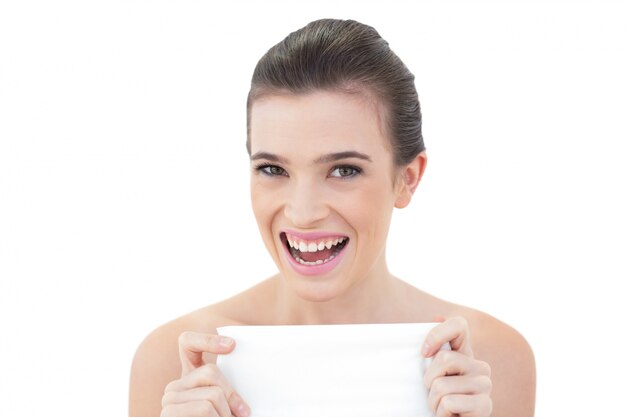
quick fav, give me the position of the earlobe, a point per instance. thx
(409, 179)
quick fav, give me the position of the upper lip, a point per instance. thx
(312, 235)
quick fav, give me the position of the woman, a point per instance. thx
(334, 137)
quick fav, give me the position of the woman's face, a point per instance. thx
(323, 187)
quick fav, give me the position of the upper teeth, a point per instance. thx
(314, 245)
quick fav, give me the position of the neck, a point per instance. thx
(376, 298)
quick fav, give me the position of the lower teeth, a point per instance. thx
(319, 262)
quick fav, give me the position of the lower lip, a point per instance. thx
(314, 269)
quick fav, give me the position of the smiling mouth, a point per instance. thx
(314, 252)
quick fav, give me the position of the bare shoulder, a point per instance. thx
(157, 363)
(511, 360)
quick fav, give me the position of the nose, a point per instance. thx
(305, 205)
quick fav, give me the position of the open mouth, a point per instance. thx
(314, 252)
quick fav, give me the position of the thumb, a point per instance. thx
(192, 345)
(439, 318)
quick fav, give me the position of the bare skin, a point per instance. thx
(157, 361)
(340, 181)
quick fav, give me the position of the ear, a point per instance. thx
(408, 179)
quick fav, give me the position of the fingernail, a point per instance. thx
(243, 409)
(240, 406)
(226, 341)
(425, 349)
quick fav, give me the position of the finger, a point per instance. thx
(207, 376)
(449, 362)
(191, 409)
(191, 345)
(442, 386)
(464, 405)
(454, 331)
(214, 395)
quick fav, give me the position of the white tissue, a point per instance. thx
(343, 370)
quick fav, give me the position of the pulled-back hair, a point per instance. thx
(344, 55)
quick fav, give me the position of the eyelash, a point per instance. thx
(266, 168)
(355, 171)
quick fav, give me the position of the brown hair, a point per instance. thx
(344, 55)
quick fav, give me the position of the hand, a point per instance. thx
(458, 384)
(202, 390)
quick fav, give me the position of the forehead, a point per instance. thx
(319, 122)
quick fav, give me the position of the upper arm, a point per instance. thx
(156, 364)
(512, 367)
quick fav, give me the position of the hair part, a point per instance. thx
(350, 57)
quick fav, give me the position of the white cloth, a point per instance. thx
(343, 370)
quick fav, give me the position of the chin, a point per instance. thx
(313, 290)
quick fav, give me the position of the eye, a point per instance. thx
(345, 172)
(271, 170)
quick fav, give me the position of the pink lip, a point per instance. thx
(310, 270)
(313, 269)
(312, 235)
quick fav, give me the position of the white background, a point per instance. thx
(124, 180)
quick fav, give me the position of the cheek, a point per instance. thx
(263, 204)
(368, 209)
(263, 213)
(257, 199)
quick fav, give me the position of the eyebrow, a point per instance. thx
(269, 156)
(331, 157)
(337, 156)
